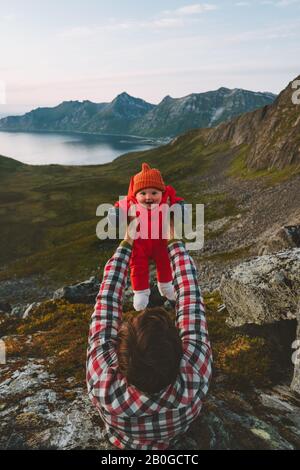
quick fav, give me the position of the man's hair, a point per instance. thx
(149, 350)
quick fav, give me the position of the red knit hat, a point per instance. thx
(148, 178)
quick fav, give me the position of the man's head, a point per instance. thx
(149, 350)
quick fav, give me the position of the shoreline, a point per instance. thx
(154, 140)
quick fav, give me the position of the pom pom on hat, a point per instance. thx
(148, 178)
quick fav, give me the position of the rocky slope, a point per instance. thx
(36, 413)
(129, 115)
(272, 132)
(43, 399)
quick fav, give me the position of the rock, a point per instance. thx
(19, 291)
(258, 419)
(263, 290)
(5, 307)
(29, 310)
(19, 310)
(35, 416)
(83, 292)
(293, 233)
(219, 224)
(285, 237)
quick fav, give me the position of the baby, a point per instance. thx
(147, 191)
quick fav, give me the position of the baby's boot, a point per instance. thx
(140, 299)
(166, 289)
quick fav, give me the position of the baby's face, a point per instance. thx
(149, 196)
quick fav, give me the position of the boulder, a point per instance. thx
(263, 290)
(84, 292)
(283, 238)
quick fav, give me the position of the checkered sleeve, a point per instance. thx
(106, 318)
(190, 311)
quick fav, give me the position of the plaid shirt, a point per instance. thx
(134, 420)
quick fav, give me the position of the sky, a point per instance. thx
(57, 50)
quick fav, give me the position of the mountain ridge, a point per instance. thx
(126, 114)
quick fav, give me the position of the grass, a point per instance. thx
(226, 256)
(239, 169)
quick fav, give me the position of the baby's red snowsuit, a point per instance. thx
(146, 249)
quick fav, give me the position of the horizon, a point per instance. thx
(96, 51)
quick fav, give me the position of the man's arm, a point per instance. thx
(107, 317)
(190, 311)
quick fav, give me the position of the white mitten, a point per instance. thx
(140, 299)
(166, 289)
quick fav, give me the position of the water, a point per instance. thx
(39, 148)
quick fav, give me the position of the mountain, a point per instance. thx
(129, 115)
(173, 116)
(67, 116)
(118, 116)
(271, 132)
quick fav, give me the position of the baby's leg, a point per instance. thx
(164, 272)
(139, 276)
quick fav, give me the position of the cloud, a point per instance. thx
(280, 3)
(286, 3)
(242, 4)
(164, 20)
(195, 9)
(81, 32)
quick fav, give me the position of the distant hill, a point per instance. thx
(129, 115)
(67, 116)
